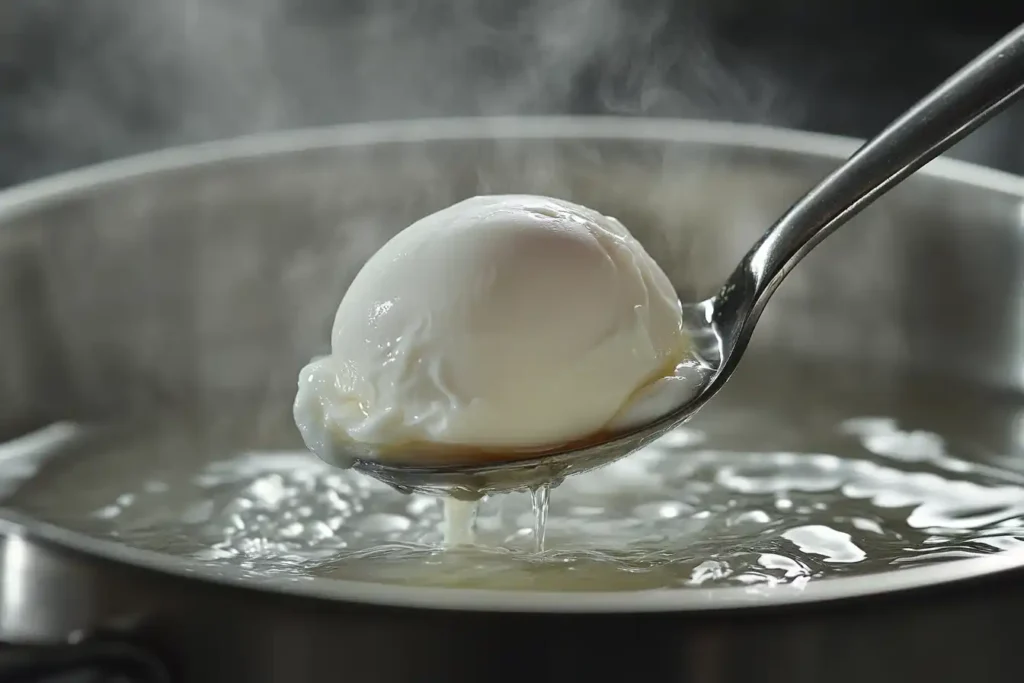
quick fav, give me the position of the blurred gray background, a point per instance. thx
(86, 80)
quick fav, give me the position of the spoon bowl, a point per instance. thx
(721, 326)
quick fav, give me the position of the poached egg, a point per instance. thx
(497, 325)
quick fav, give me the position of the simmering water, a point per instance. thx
(795, 474)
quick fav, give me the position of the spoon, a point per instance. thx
(721, 326)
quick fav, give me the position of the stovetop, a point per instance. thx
(83, 82)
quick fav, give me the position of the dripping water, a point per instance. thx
(459, 522)
(540, 496)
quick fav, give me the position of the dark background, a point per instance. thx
(86, 80)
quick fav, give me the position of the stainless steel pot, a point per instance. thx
(202, 278)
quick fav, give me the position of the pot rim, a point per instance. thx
(24, 198)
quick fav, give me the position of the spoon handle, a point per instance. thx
(967, 99)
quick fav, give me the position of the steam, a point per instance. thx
(129, 76)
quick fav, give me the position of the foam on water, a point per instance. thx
(750, 493)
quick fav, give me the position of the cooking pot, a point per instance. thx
(200, 279)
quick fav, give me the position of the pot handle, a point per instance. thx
(102, 659)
